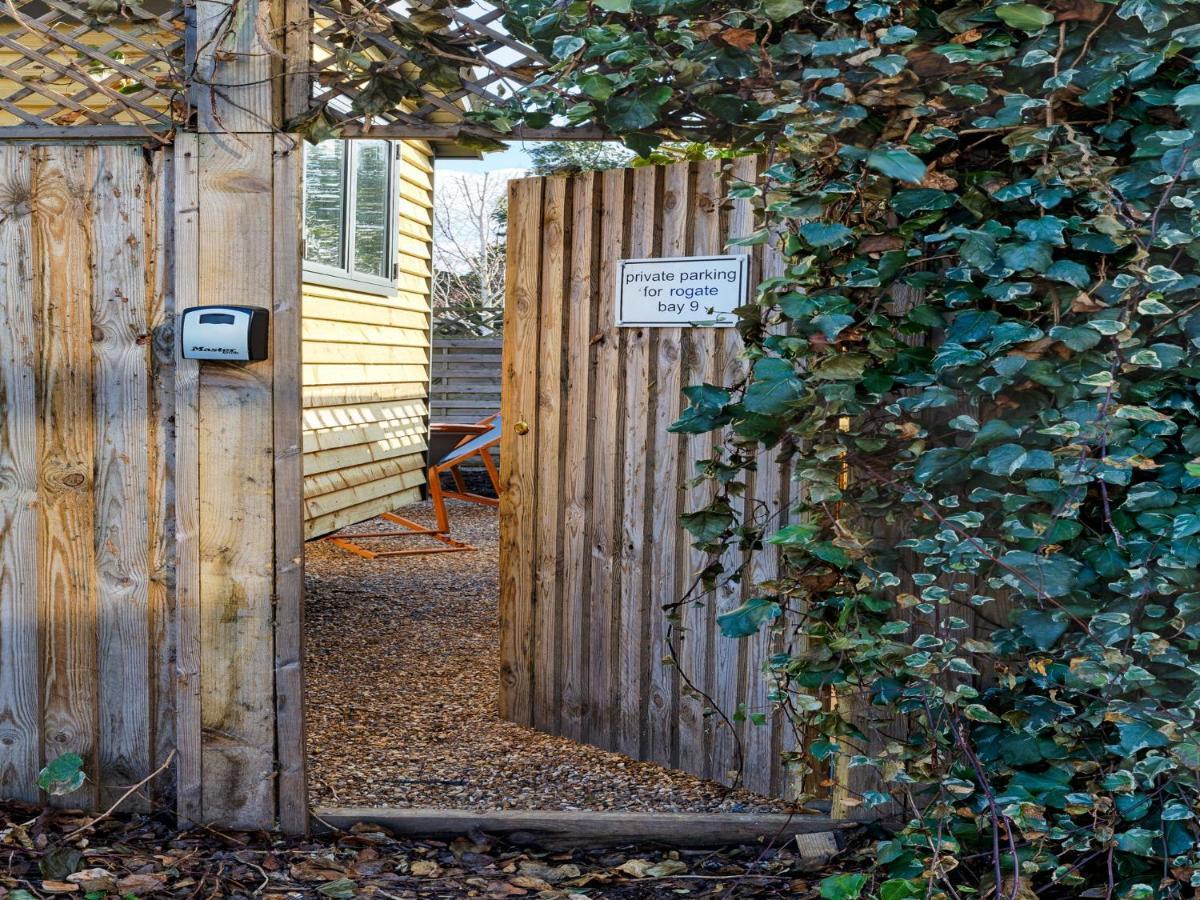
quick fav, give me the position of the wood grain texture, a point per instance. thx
(546, 645)
(20, 695)
(236, 481)
(696, 644)
(62, 253)
(124, 490)
(188, 766)
(610, 552)
(666, 484)
(564, 829)
(160, 284)
(576, 571)
(633, 634)
(289, 486)
(604, 510)
(518, 452)
(233, 89)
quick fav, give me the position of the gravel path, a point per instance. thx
(402, 659)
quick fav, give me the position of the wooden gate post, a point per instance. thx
(239, 498)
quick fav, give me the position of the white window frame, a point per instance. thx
(344, 276)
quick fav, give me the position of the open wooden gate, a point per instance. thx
(591, 548)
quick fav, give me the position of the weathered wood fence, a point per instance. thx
(150, 507)
(87, 552)
(591, 549)
(464, 378)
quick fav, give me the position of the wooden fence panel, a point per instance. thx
(85, 475)
(464, 378)
(591, 546)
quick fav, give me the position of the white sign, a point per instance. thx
(685, 291)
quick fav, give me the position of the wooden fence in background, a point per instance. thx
(591, 548)
(464, 379)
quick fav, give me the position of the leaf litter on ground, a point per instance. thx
(146, 856)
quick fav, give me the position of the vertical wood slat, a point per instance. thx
(66, 442)
(289, 479)
(666, 482)
(232, 87)
(728, 748)
(576, 570)
(187, 488)
(518, 452)
(546, 647)
(633, 636)
(236, 478)
(160, 275)
(695, 651)
(763, 502)
(606, 496)
(124, 486)
(20, 700)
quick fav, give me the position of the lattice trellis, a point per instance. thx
(61, 66)
(411, 68)
(467, 60)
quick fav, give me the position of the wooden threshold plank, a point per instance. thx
(555, 829)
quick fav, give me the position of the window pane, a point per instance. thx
(371, 209)
(324, 198)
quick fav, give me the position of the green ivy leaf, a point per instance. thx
(774, 389)
(708, 524)
(843, 887)
(897, 163)
(1024, 16)
(748, 618)
(64, 775)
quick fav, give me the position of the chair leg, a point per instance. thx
(490, 465)
(438, 500)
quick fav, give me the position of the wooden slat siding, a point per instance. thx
(187, 489)
(663, 581)
(577, 442)
(518, 456)
(124, 487)
(633, 635)
(160, 275)
(546, 642)
(236, 453)
(606, 496)
(20, 699)
(289, 482)
(62, 179)
(352, 515)
(700, 367)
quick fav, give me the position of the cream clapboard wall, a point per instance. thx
(366, 375)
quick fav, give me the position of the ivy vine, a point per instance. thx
(987, 340)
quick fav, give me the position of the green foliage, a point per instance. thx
(985, 339)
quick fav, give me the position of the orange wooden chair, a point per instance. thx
(452, 445)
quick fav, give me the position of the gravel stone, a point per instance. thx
(402, 693)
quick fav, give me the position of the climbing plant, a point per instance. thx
(986, 340)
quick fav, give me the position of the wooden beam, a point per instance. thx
(554, 829)
(453, 132)
(289, 488)
(85, 133)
